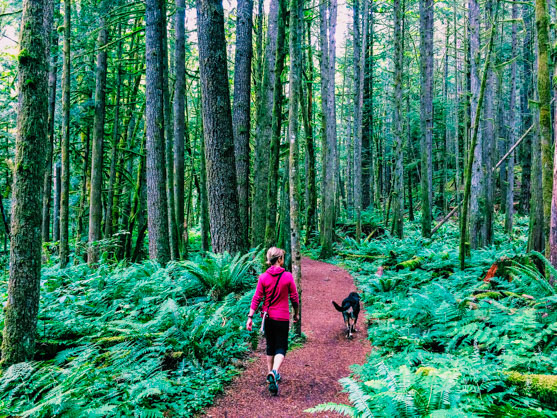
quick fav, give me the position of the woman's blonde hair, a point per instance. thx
(273, 254)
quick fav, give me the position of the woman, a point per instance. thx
(274, 287)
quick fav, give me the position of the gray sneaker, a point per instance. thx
(273, 382)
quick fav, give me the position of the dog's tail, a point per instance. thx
(340, 308)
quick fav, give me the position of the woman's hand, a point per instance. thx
(296, 317)
(249, 324)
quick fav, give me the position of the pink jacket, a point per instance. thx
(286, 287)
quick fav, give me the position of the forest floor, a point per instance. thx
(311, 372)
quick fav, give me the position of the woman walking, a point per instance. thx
(274, 288)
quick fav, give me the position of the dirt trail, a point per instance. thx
(309, 374)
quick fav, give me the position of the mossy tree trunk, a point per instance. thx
(295, 84)
(217, 129)
(95, 207)
(20, 320)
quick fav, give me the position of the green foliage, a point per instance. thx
(445, 339)
(134, 341)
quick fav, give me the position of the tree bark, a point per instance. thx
(509, 198)
(544, 112)
(276, 128)
(295, 84)
(328, 21)
(64, 249)
(426, 111)
(217, 129)
(95, 207)
(157, 209)
(112, 181)
(56, 206)
(264, 131)
(51, 27)
(180, 116)
(241, 108)
(398, 184)
(20, 320)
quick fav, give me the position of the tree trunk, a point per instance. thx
(274, 154)
(478, 185)
(295, 84)
(109, 218)
(64, 249)
(56, 206)
(264, 131)
(95, 207)
(525, 154)
(217, 129)
(471, 152)
(157, 209)
(241, 108)
(21, 309)
(398, 184)
(328, 20)
(51, 27)
(307, 114)
(426, 111)
(180, 116)
(509, 198)
(359, 69)
(544, 112)
(367, 116)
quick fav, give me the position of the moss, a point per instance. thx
(539, 386)
(488, 295)
(24, 56)
(411, 264)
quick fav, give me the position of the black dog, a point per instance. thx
(350, 310)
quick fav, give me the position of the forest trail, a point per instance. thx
(310, 374)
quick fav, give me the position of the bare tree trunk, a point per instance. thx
(64, 249)
(426, 111)
(180, 116)
(51, 27)
(56, 206)
(511, 116)
(328, 20)
(95, 207)
(157, 209)
(398, 184)
(241, 108)
(217, 129)
(367, 115)
(21, 309)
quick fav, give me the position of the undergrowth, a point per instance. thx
(140, 340)
(446, 343)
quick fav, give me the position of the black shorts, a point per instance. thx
(276, 333)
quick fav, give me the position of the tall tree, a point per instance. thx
(276, 128)
(180, 114)
(426, 111)
(295, 84)
(20, 312)
(264, 130)
(512, 125)
(65, 146)
(217, 129)
(359, 63)
(327, 40)
(544, 110)
(159, 248)
(51, 27)
(95, 207)
(241, 109)
(398, 183)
